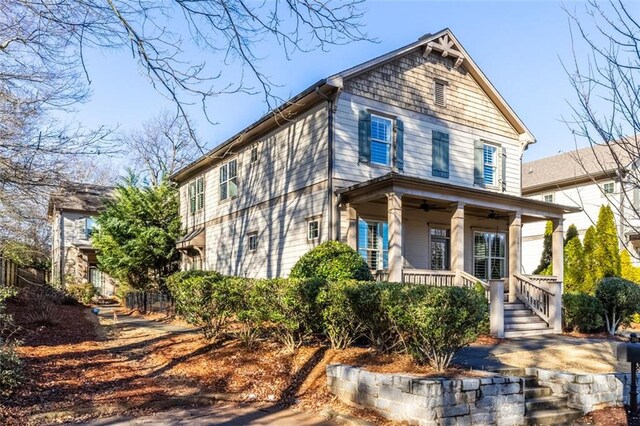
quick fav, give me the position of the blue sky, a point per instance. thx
(518, 45)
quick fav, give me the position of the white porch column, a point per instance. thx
(557, 249)
(394, 211)
(496, 308)
(457, 239)
(515, 253)
(352, 230)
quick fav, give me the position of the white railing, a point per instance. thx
(535, 295)
(380, 275)
(428, 277)
(469, 281)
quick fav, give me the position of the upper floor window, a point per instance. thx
(439, 92)
(313, 229)
(229, 180)
(253, 241)
(381, 140)
(608, 188)
(196, 194)
(254, 154)
(490, 155)
(89, 226)
(547, 198)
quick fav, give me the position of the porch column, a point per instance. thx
(394, 211)
(515, 253)
(352, 231)
(457, 239)
(557, 249)
(496, 308)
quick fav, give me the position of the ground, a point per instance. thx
(81, 366)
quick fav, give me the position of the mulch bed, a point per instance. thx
(612, 416)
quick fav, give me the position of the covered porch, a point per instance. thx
(425, 232)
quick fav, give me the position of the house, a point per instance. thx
(587, 178)
(72, 211)
(412, 158)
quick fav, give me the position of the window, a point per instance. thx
(490, 155)
(440, 154)
(489, 255)
(608, 187)
(89, 225)
(254, 154)
(438, 89)
(229, 180)
(196, 194)
(253, 241)
(440, 247)
(381, 140)
(547, 198)
(96, 279)
(313, 229)
(373, 243)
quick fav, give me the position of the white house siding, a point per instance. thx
(276, 195)
(417, 146)
(588, 197)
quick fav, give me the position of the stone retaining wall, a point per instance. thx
(586, 392)
(470, 401)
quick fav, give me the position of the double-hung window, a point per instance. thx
(490, 156)
(381, 131)
(89, 225)
(253, 241)
(313, 229)
(373, 243)
(229, 180)
(608, 188)
(196, 194)
(440, 247)
(489, 250)
(547, 198)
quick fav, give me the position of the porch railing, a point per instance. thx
(543, 279)
(534, 295)
(429, 277)
(380, 275)
(469, 281)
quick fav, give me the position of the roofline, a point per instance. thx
(188, 170)
(399, 178)
(564, 183)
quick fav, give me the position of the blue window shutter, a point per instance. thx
(440, 154)
(399, 144)
(364, 137)
(504, 169)
(478, 164)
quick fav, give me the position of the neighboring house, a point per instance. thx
(412, 158)
(587, 178)
(72, 212)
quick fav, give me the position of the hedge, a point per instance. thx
(582, 313)
(333, 261)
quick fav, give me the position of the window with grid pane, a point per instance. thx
(490, 164)
(200, 193)
(192, 197)
(489, 255)
(229, 180)
(373, 243)
(381, 129)
(440, 247)
(548, 198)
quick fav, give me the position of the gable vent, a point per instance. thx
(439, 87)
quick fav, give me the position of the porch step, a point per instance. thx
(515, 306)
(517, 313)
(525, 333)
(532, 325)
(519, 319)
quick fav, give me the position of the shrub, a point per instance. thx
(83, 293)
(332, 260)
(10, 368)
(205, 299)
(252, 308)
(339, 319)
(620, 299)
(582, 313)
(435, 322)
(293, 309)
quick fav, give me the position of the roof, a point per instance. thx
(569, 168)
(80, 197)
(443, 41)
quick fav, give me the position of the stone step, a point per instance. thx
(510, 334)
(541, 325)
(531, 381)
(536, 392)
(514, 306)
(545, 403)
(552, 417)
(523, 319)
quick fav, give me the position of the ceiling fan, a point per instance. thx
(425, 206)
(495, 216)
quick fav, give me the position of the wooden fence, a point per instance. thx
(148, 302)
(8, 272)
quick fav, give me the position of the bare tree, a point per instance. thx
(606, 106)
(161, 146)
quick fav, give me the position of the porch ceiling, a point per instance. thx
(477, 201)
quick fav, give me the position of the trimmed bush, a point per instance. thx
(10, 368)
(332, 260)
(582, 313)
(83, 293)
(435, 322)
(620, 299)
(339, 318)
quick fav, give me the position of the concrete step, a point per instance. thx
(531, 381)
(552, 417)
(531, 392)
(523, 319)
(518, 313)
(545, 403)
(541, 325)
(510, 334)
(514, 306)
